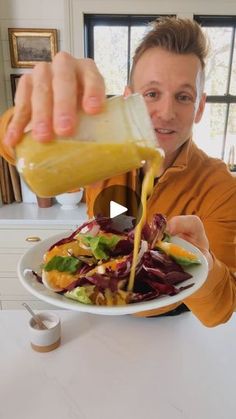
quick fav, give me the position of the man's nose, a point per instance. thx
(165, 109)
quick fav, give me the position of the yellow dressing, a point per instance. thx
(62, 165)
(147, 187)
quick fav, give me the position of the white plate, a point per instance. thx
(33, 258)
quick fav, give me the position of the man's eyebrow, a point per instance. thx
(187, 86)
(154, 83)
(150, 84)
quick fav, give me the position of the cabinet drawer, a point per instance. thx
(13, 244)
(11, 285)
(15, 303)
(8, 262)
(20, 238)
(12, 295)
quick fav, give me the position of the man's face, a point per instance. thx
(171, 86)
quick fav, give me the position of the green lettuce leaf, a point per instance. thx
(81, 294)
(63, 264)
(101, 245)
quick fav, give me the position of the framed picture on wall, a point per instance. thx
(29, 46)
(14, 78)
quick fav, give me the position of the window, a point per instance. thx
(216, 132)
(112, 39)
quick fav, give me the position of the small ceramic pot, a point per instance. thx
(44, 202)
(45, 340)
(70, 200)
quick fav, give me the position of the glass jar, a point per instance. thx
(115, 141)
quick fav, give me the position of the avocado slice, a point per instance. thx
(178, 253)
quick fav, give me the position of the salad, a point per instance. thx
(93, 264)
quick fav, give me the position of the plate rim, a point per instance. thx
(133, 308)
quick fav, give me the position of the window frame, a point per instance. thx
(92, 20)
(227, 99)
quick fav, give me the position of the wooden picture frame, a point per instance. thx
(30, 46)
(14, 78)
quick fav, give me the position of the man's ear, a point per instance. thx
(201, 108)
(127, 91)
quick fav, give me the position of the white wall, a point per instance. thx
(67, 17)
(26, 14)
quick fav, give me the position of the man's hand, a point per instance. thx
(191, 229)
(51, 95)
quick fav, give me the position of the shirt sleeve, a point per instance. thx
(215, 301)
(6, 152)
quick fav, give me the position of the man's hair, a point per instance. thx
(177, 35)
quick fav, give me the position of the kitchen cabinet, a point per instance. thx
(21, 226)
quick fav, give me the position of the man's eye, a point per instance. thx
(185, 98)
(150, 95)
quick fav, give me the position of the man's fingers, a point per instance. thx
(190, 228)
(76, 84)
(64, 84)
(93, 86)
(22, 112)
(51, 95)
(41, 119)
(183, 223)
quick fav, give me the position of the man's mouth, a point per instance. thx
(164, 131)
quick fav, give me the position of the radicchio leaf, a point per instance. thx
(154, 231)
(120, 224)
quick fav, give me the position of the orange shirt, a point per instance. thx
(6, 152)
(194, 184)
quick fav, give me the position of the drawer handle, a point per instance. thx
(33, 239)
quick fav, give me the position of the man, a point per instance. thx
(195, 192)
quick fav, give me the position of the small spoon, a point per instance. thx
(35, 317)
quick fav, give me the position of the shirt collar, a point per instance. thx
(181, 161)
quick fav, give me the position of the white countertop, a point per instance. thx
(119, 367)
(21, 213)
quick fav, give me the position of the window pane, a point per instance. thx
(233, 75)
(209, 132)
(231, 132)
(218, 62)
(136, 34)
(110, 54)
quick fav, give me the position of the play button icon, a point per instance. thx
(118, 201)
(116, 209)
